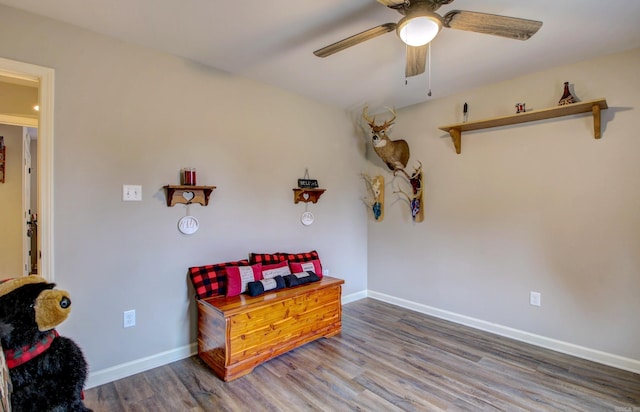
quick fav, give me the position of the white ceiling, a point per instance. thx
(272, 41)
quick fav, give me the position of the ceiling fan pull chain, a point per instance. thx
(429, 63)
(406, 52)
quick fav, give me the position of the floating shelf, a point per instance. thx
(593, 106)
(307, 195)
(188, 194)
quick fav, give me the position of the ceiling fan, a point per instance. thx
(421, 24)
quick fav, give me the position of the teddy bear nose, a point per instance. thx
(65, 302)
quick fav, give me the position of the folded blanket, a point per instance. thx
(260, 286)
(301, 278)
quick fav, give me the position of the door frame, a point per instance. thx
(44, 76)
(26, 200)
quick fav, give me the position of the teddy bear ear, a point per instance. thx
(9, 285)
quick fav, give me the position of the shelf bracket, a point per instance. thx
(596, 120)
(307, 195)
(188, 194)
(456, 136)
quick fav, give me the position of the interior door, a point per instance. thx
(26, 202)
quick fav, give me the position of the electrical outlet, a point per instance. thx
(131, 193)
(534, 298)
(325, 272)
(129, 318)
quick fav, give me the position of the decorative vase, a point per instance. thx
(567, 97)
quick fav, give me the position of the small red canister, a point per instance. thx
(189, 176)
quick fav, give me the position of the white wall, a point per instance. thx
(539, 206)
(534, 207)
(129, 115)
(11, 204)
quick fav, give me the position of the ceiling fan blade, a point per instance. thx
(416, 60)
(395, 4)
(511, 27)
(391, 3)
(355, 39)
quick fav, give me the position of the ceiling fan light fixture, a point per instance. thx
(419, 29)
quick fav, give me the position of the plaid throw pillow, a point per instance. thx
(300, 257)
(211, 280)
(266, 258)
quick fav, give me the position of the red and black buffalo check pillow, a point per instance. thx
(211, 280)
(266, 258)
(300, 257)
(273, 258)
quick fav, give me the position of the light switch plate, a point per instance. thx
(131, 193)
(534, 298)
(129, 318)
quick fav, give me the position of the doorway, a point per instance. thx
(18, 203)
(43, 78)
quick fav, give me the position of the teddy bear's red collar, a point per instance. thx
(16, 357)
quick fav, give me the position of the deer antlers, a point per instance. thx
(415, 200)
(416, 171)
(372, 121)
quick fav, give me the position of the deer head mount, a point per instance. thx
(394, 153)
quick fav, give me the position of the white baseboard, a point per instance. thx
(139, 365)
(123, 370)
(631, 365)
(354, 296)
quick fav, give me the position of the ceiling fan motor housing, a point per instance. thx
(420, 24)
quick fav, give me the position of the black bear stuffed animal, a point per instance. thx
(47, 371)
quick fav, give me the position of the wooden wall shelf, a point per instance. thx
(307, 195)
(188, 194)
(593, 106)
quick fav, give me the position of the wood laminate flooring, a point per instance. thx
(386, 359)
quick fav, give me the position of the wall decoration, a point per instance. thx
(188, 225)
(307, 191)
(307, 183)
(307, 195)
(187, 193)
(395, 154)
(307, 218)
(416, 203)
(567, 97)
(376, 202)
(189, 176)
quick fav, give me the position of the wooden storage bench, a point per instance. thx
(236, 334)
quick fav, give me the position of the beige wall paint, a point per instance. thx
(128, 115)
(11, 204)
(534, 207)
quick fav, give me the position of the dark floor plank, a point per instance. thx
(387, 358)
